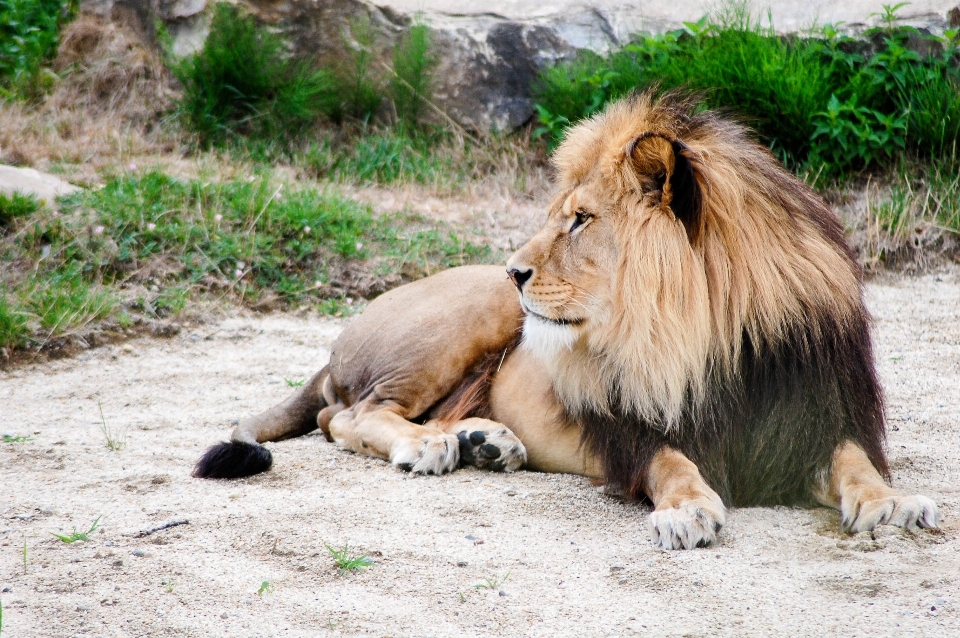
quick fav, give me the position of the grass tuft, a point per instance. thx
(347, 561)
(15, 205)
(72, 537)
(242, 82)
(494, 582)
(115, 439)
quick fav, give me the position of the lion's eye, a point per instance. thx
(581, 218)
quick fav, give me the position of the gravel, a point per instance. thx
(579, 561)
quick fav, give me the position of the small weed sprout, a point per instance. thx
(24, 556)
(11, 438)
(265, 588)
(115, 439)
(168, 585)
(493, 582)
(295, 383)
(72, 537)
(346, 561)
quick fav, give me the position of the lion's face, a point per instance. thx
(568, 267)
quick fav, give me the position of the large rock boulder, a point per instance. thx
(27, 181)
(490, 52)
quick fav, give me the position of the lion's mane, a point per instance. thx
(738, 333)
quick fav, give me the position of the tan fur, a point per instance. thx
(659, 310)
(865, 500)
(623, 298)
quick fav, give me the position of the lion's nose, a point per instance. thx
(519, 277)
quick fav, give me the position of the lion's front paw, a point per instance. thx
(490, 445)
(692, 523)
(431, 453)
(903, 511)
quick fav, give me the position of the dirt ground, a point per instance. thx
(560, 557)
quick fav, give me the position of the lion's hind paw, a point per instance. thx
(909, 512)
(693, 523)
(489, 445)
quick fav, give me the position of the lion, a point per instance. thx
(687, 326)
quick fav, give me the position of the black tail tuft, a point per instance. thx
(233, 460)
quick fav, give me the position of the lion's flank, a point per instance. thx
(738, 332)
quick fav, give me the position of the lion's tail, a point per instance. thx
(244, 455)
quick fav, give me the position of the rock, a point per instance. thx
(139, 553)
(28, 181)
(490, 52)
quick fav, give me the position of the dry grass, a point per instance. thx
(105, 111)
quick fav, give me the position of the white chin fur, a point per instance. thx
(547, 339)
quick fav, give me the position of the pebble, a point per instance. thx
(138, 552)
(511, 492)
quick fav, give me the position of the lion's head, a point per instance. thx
(674, 240)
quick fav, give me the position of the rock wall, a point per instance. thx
(490, 52)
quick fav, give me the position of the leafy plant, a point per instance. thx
(347, 561)
(243, 83)
(265, 587)
(29, 36)
(413, 63)
(857, 134)
(72, 537)
(825, 100)
(295, 383)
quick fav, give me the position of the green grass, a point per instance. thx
(146, 245)
(72, 537)
(920, 194)
(413, 65)
(14, 205)
(114, 438)
(824, 100)
(347, 561)
(243, 83)
(10, 438)
(294, 383)
(29, 38)
(494, 582)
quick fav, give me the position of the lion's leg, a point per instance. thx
(687, 512)
(865, 500)
(379, 428)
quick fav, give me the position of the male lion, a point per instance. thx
(693, 331)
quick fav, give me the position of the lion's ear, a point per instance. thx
(685, 196)
(673, 166)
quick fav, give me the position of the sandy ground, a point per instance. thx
(564, 559)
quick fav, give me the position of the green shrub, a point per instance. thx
(358, 86)
(29, 35)
(13, 323)
(15, 205)
(815, 101)
(413, 64)
(243, 83)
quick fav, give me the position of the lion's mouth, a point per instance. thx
(561, 321)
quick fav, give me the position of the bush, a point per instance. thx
(16, 205)
(825, 100)
(413, 64)
(242, 83)
(29, 35)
